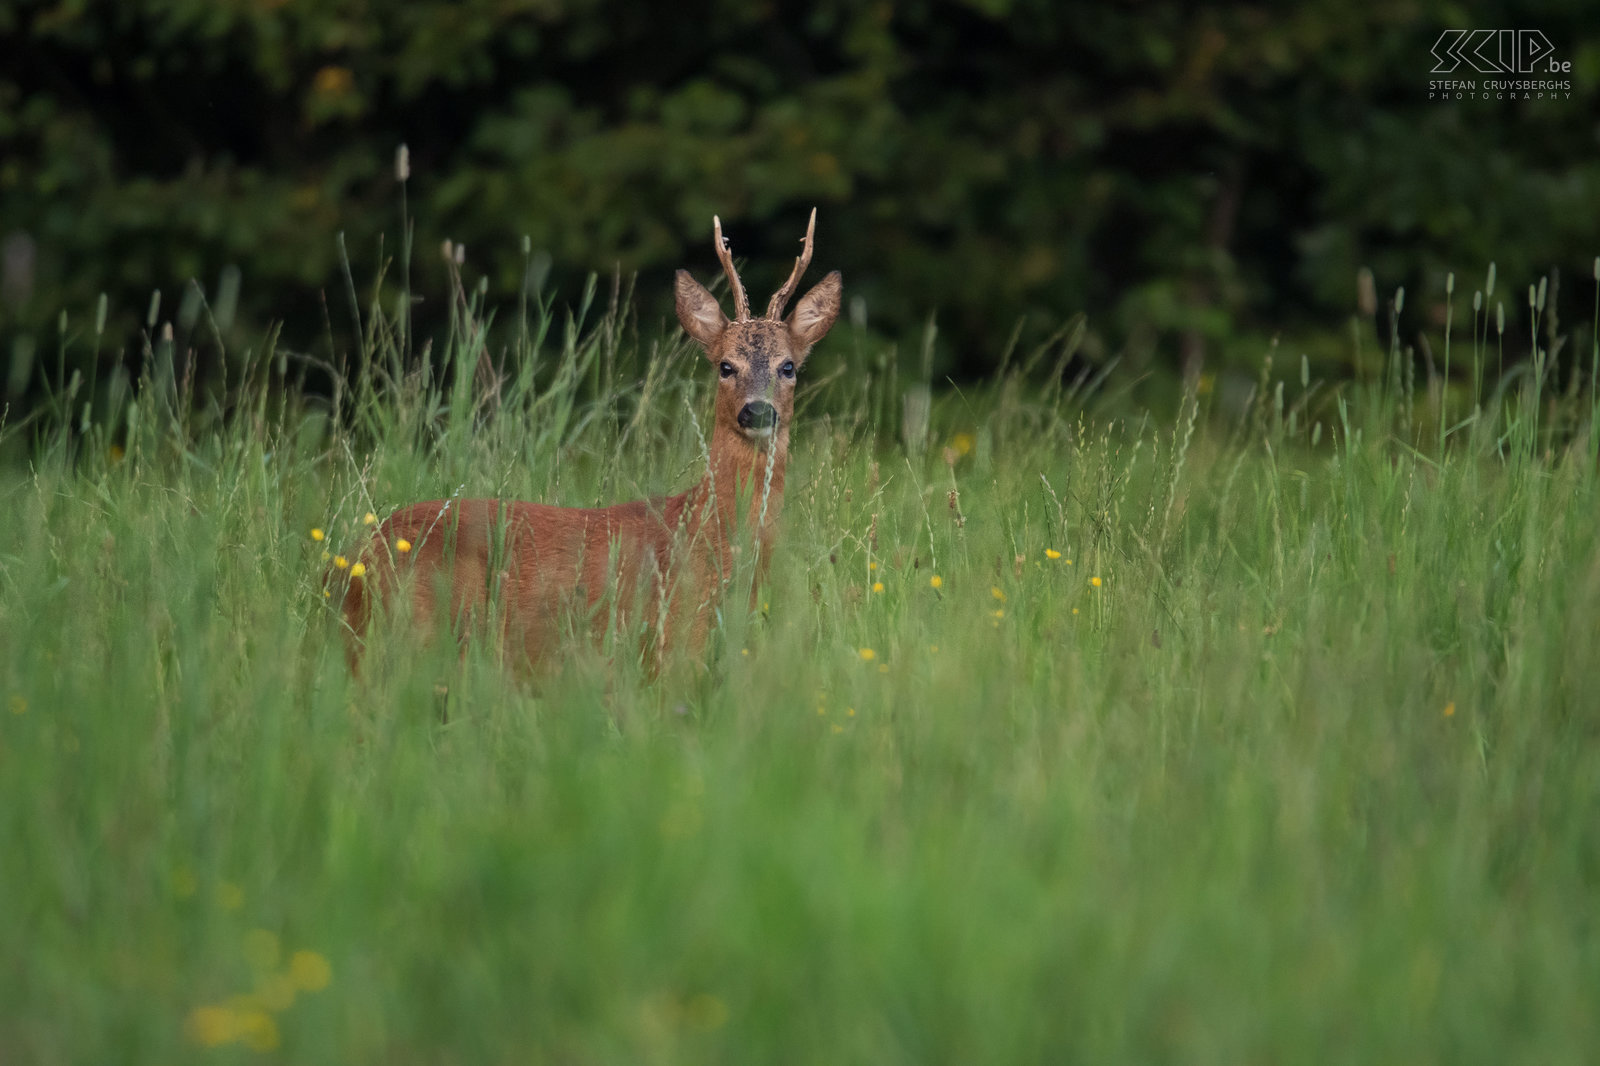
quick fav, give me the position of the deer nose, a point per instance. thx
(758, 415)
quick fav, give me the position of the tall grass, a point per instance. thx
(1188, 742)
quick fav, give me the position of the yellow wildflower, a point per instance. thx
(850, 712)
(317, 534)
(309, 971)
(368, 519)
(358, 570)
(340, 561)
(1051, 553)
(837, 728)
(1095, 581)
(256, 1030)
(402, 545)
(877, 586)
(705, 1012)
(872, 565)
(999, 612)
(211, 1026)
(963, 443)
(867, 655)
(936, 581)
(997, 593)
(1450, 709)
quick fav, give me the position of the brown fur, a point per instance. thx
(664, 562)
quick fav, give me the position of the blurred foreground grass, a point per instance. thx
(1154, 745)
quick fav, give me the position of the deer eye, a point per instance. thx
(727, 370)
(786, 370)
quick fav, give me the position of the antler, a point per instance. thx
(803, 260)
(741, 305)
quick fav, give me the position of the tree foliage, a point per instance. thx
(1186, 174)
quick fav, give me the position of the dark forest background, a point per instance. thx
(1195, 178)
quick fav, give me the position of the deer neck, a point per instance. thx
(743, 487)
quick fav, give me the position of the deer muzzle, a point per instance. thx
(758, 418)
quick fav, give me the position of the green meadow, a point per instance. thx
(1064, 732)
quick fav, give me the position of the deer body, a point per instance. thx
(535, 568)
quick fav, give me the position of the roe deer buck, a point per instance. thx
(663, 561)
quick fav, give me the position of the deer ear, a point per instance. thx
(814, 315)
(698, 311)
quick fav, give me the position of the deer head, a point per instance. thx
(757, 358)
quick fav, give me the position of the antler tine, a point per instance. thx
(803, 260)
(741, 305)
